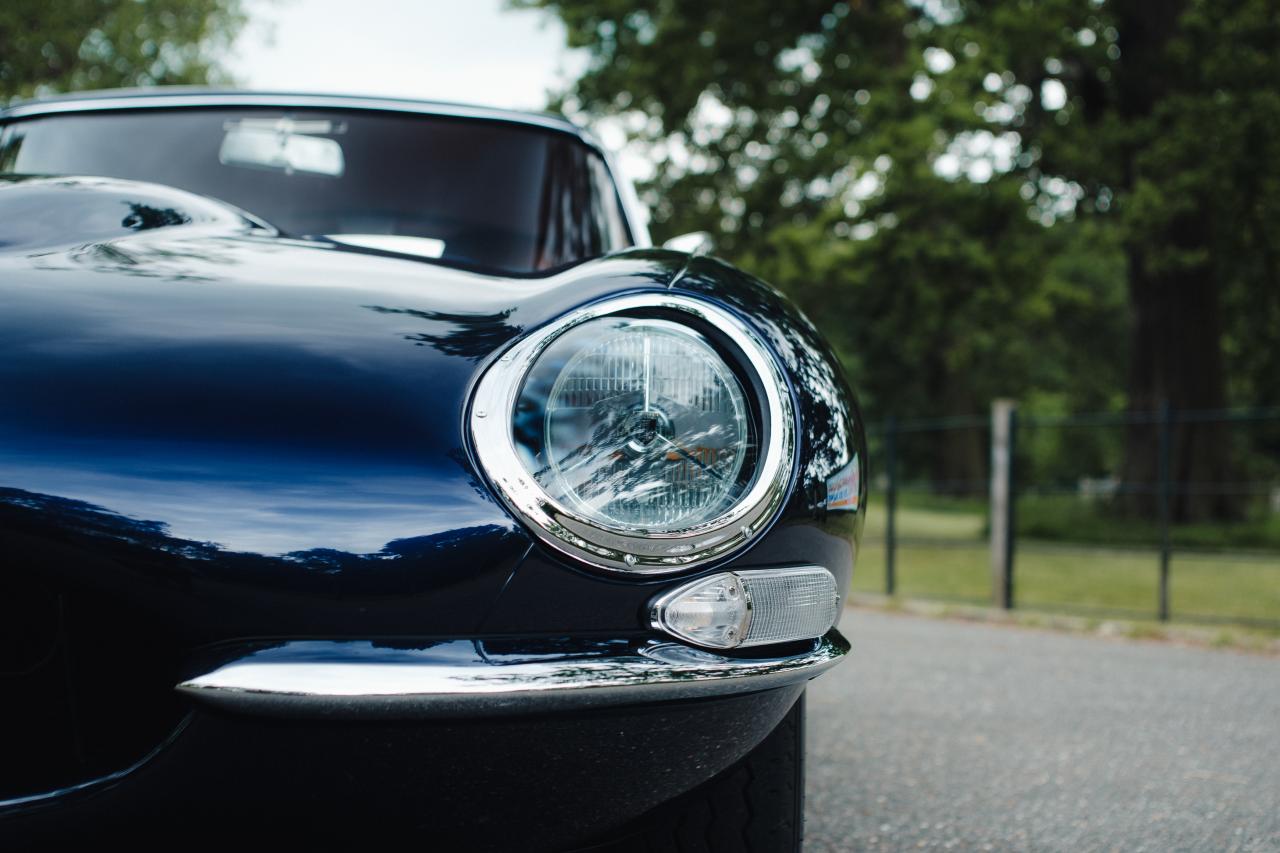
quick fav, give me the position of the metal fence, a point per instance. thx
(1162, 513)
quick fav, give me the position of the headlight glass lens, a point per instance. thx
(637, 423)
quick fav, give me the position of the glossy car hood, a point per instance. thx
(203, 400)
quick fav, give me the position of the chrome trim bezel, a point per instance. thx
(635, 550)
(461, 678)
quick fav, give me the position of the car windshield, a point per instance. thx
(494, 195)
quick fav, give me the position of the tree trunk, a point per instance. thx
(1176, 313)
(1176, 358)
(960, 454)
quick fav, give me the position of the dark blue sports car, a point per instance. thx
(367, 476)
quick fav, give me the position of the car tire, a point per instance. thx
(756, 806)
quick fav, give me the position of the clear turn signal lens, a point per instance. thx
(710, 612)
(750, 608)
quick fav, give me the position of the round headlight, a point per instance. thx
(636, 423)
(647, 433)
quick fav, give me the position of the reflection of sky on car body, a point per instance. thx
(264, 509)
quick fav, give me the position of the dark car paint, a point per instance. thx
(271, 430)
(239, 437)
(528, 784)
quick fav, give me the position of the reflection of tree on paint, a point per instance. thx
(397, 567)
(144, 217)
(471, 336)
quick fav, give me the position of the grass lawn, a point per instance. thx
(1066, 518)
(932, 523)
(1218, 586)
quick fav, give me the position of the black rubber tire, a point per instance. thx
(756, 806)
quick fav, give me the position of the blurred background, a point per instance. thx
(1069, 205)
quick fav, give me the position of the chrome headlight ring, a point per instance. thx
(632, 548)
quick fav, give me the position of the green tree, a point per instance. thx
(1168, 124)
(48, 47)
(1140, 137)
(806, 135)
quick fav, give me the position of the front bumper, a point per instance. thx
(531, 783)
(482, 745)
(475, 678)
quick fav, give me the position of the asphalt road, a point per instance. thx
(940, 734)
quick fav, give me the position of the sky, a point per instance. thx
(473, 51)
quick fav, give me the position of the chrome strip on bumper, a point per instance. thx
(464, 677)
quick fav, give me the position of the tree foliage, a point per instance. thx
(790, 131)
(48, 47)
(968, 194)
(1168, 129)
(793, 132)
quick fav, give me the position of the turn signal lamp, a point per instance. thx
(753, 607)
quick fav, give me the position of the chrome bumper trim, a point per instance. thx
(465, 677)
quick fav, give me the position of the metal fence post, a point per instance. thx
(1165, 430)
(890, 504)
(1002, 538)
(1010, 526)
